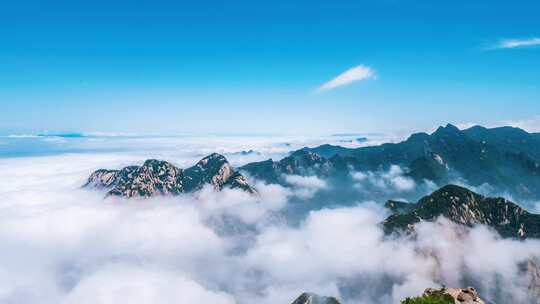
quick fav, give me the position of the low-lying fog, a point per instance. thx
(63, 244)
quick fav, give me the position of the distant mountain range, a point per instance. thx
(505, 158)
(157, 177)
(502, 157)
(456, 203)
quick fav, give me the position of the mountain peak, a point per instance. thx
(311, 298)
(465, 207)
(447, 130)
(420, 136)
(157, 177)
(158, 165)
(477, 128)
(212, 159)
(214, 169)
(454, 190)
(302, 153)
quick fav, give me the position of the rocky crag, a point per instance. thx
(156, 177)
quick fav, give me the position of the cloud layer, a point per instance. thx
(530, 124)
(63, 244)
(354, 74)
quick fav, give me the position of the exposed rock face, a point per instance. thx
(238, 181)
(157, 177)
(460, 296)
(103, 178)
(151, 178)
(311, 298)
(213, 169)
(533, 270)
(465, 207)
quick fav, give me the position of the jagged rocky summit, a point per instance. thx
(464, 207)
(311, 298)
(156, 177)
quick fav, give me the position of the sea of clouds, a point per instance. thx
(60, 243)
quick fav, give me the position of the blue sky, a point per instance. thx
(256, 66)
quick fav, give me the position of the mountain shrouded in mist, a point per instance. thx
(504, 158)
(465, 207)
(317, 222)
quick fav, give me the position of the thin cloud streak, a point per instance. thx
(357, 73)
(517, 43)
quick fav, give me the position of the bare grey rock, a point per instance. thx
(533, 270)
(460, 295)
(156, 177)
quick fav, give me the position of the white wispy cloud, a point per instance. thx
(517, 43)
(357, 73)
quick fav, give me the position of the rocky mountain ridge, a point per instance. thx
(467, 295)
(467, 208)
(464, 207)
(505, 158)
(156, 177)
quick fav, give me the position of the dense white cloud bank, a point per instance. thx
(391, 181)
(63, 244)
(305, 186)
(183, 149)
